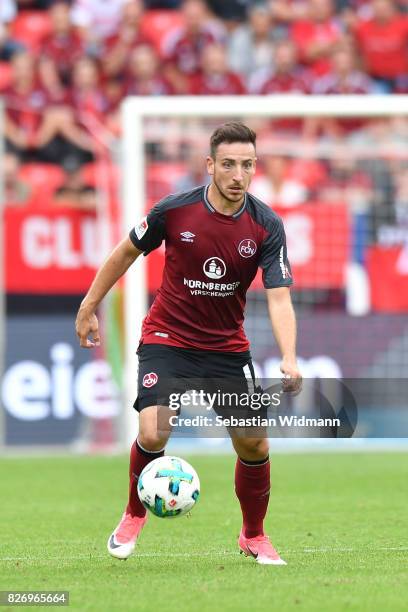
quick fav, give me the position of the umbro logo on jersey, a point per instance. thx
(187, 237)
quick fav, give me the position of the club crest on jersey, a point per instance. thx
(247, 248)
(141, 228)
(150, 379)
(214, 267)
(187, 237)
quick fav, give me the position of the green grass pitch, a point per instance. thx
(339, 520)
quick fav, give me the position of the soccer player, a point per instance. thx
(216, 238)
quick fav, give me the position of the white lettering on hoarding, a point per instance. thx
(49, 242)
(25, 391)
(64, 251)
(95, 393)
(31, 393)
(36, 242)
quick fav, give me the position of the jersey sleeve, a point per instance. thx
(149, 233)
(273, 260)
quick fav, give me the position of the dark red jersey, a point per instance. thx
(156, 86)
(64, 51)
(26, 109)
(211, 260)
(306, 33)
(383, 46)
(228, 84)
(295, 82)
(185, 52)
(354, 83)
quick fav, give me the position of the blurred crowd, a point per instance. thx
(65, 67)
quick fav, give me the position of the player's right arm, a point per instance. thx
(115, 266)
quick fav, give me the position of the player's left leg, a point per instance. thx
(252, 486)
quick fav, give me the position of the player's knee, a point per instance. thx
(254, 448)
(153, 440)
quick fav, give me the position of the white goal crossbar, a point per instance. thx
(136, 109)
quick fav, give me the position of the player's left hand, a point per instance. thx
(292, 378)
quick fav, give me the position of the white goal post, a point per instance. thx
(136, 110)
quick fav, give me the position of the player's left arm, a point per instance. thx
(277, 278)
(283, 321)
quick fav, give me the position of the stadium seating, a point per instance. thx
(30, 27)
(91, 175)
(44, 178)
(157, 24)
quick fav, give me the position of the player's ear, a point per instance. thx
(210, 165)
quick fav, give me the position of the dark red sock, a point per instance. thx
(252, 485)
(139, 458)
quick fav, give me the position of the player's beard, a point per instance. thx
(225, 195)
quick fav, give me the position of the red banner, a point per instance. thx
(50, 251)
(388, 272)
(318, 239)
(58, 250)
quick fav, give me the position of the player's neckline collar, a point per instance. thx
(218, 215)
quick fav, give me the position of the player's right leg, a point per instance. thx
(160, 369)
(154, 432)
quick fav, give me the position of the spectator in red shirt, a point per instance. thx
(26, 102)
(143, 76)
(286, 76)
(383, 43)
(215, 78)
(62, 47)
(184, 47)
(35, 124)
(95, 103)
(128, 37)
(317, 36)
(344, 78)
(87, 96)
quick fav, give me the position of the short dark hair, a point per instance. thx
(234, 131)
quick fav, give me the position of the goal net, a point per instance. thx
(335, 168)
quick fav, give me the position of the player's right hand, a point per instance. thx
(87, 329)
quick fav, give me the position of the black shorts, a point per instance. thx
(168, 369)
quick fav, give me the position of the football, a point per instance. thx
(168, 487)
